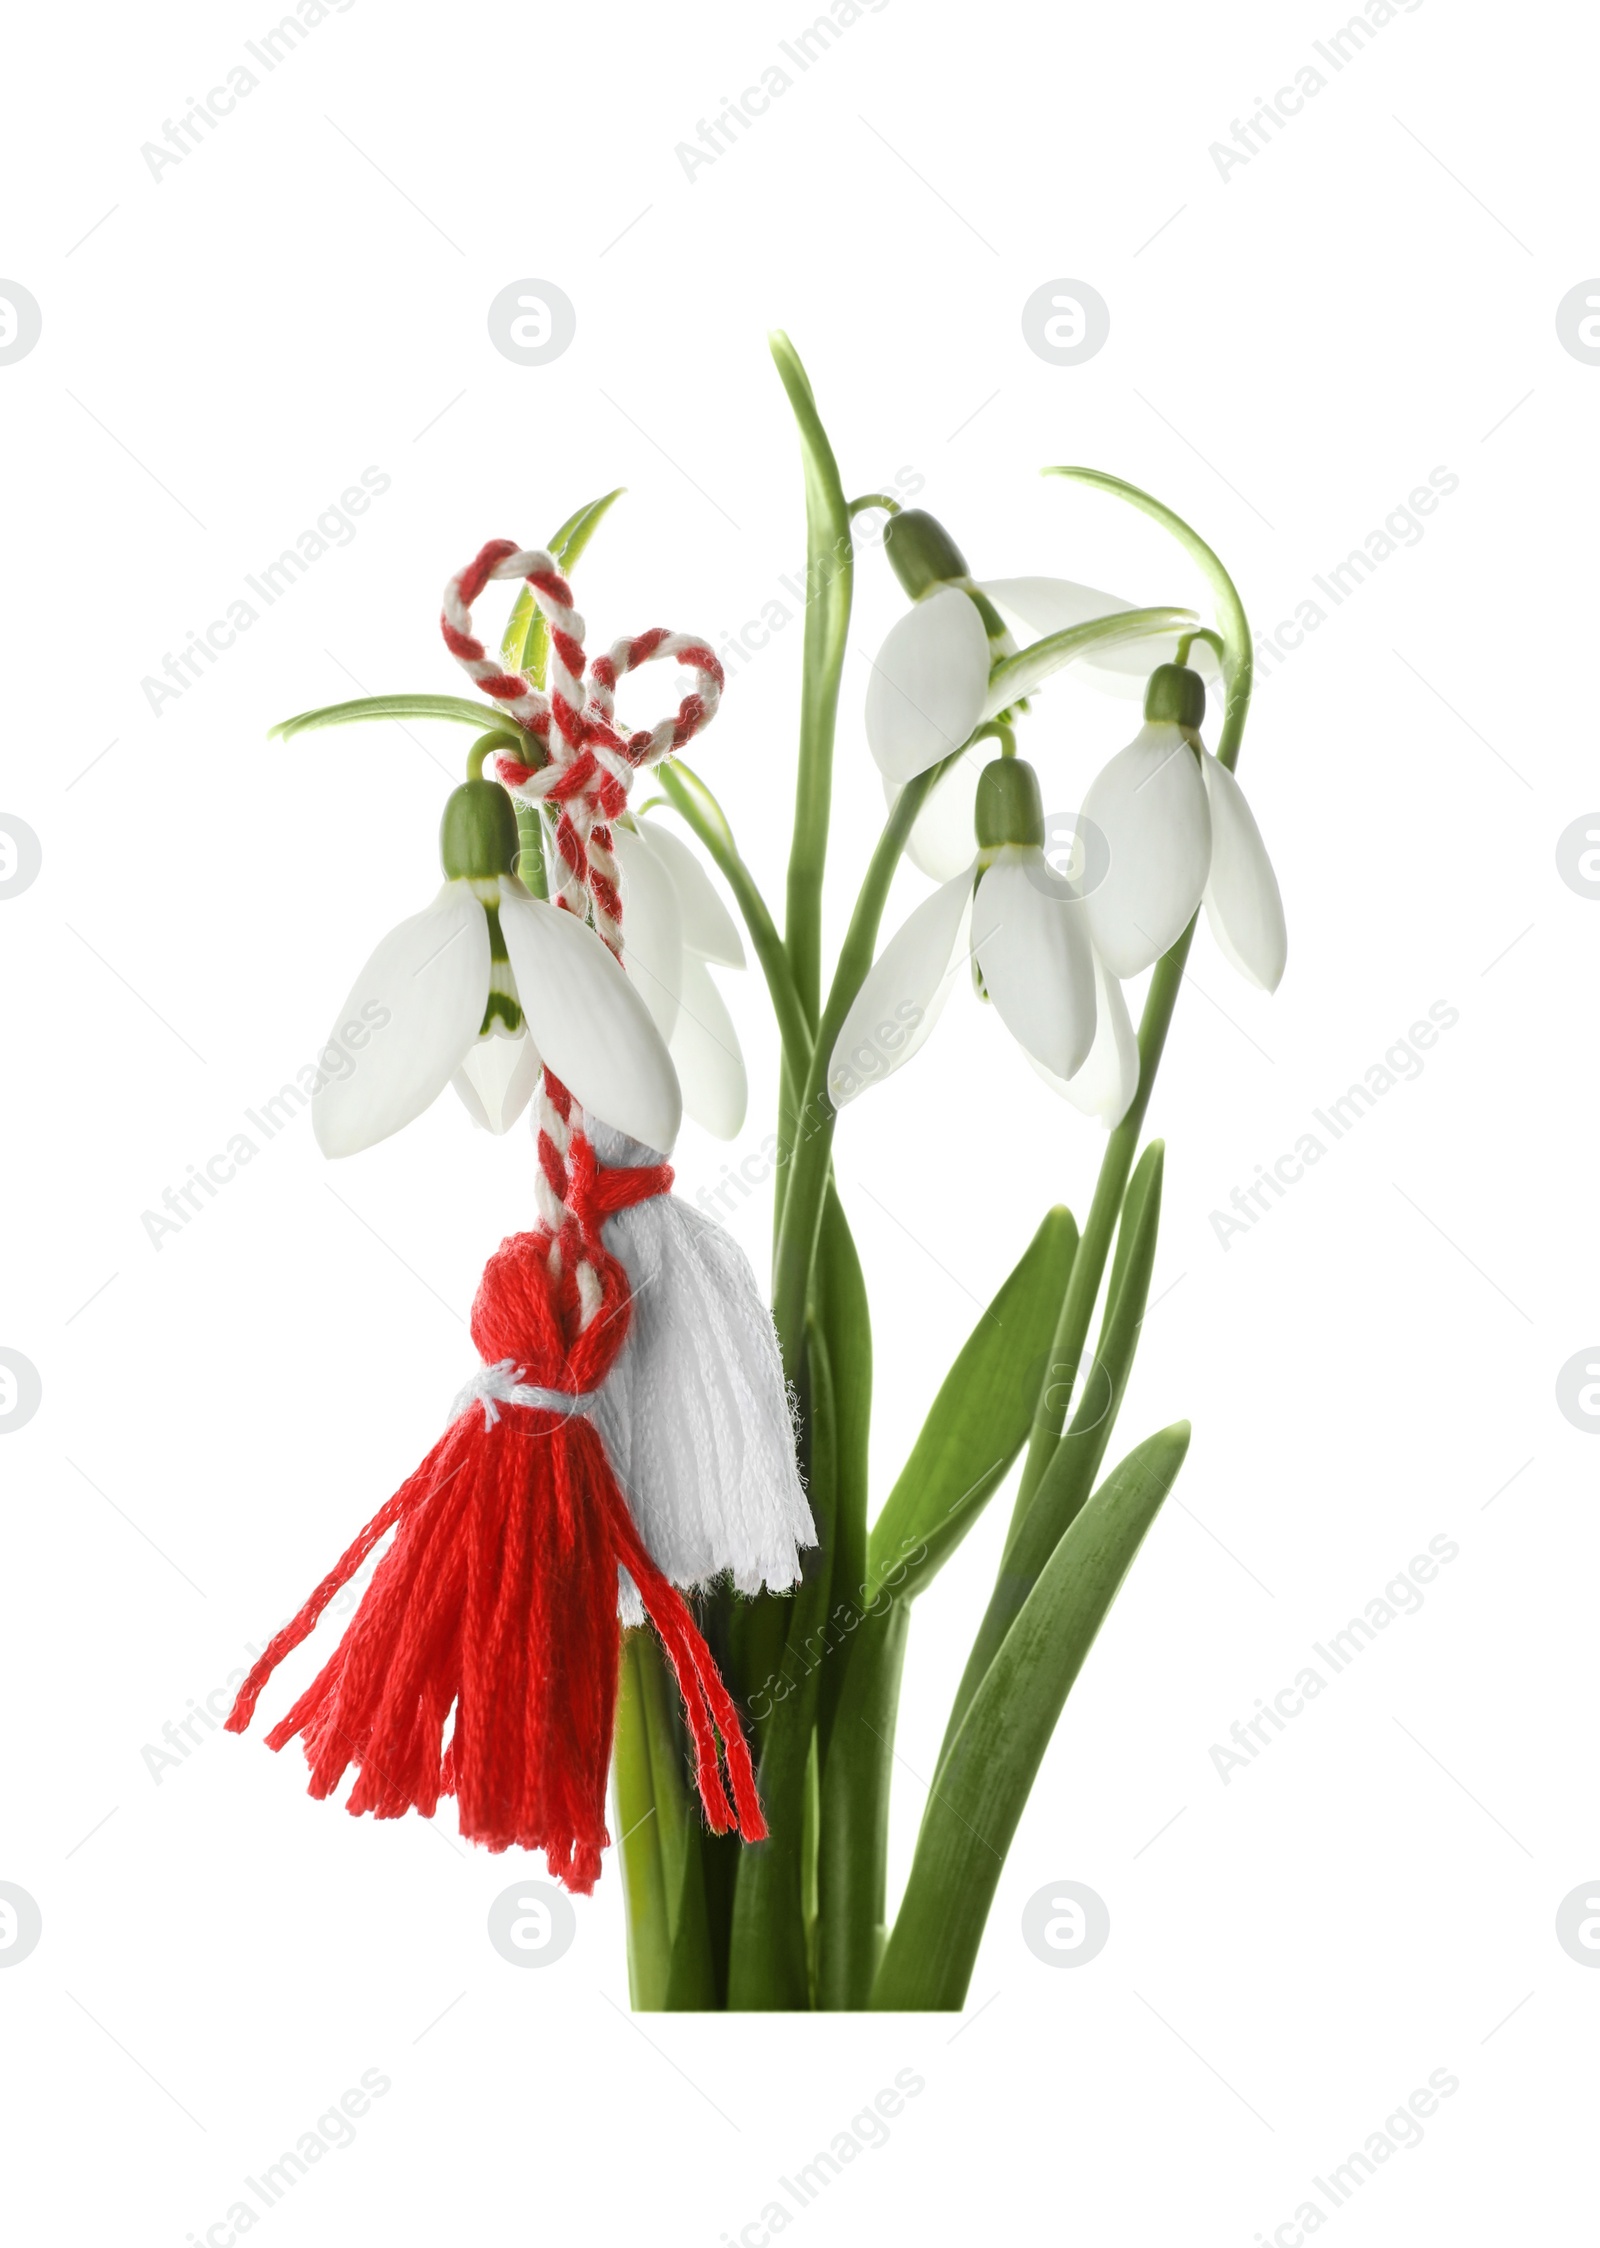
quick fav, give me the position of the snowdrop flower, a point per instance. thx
(1027, 928)
(931, 684)
(1176, 829)
(1171, 829)
(673, 926)
(485, 985)
(931, 678)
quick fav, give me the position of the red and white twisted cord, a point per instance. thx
(585, 776)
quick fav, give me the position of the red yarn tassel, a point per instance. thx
(498, 1599)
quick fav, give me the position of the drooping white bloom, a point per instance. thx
(483, 958)
(1149, 803)
(928, 683)
(674, 928)
(496, 1081)
(1176, 829)
(1244, 910)
(1167, 826)
(1108, 1080)
(1026, 927)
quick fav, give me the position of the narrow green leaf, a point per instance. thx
(768, 1967)
(842, 1313)
(524, 646)
(853, 1847)
(978, 1422)
(452, 707)
(1021, 673)
(984, 1783)
(830, 560)
(1238, 658)
(1067, 1481)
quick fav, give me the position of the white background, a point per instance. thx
(1293, 349)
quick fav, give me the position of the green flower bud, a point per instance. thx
(1009, 808)
(921, 551)
(478, 834)
(1176, 694)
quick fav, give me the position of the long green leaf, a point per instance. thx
(830, 557)
(1238, 658)
(1021, 673)
(455, 708)
(525, 645)
(979, 1420)
(768, 1966)
(842, 1313)
(979, 1797)
(829, 580)
(1067, 1481)
(853, 1853)
(974, 1430)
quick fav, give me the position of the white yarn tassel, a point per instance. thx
(695, 1414)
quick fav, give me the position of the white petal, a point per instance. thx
(422, 996)
(941, 840)
(708, 926)
(904, 992)
(928, 684)
(1031, 935)
(652, 927)
(1150, 805)
(496, 1080)
(1109, 1078)
(589, 1022)
(1243, 905)
(1046, 605)
(705, 1048)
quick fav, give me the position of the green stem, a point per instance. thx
(873, 499)
(813, 1149)
(1083, 1287)
(1088, 1266)
(643, 1874)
